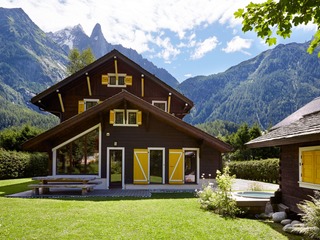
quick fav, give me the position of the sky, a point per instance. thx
(186, 37)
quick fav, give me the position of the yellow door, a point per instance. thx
(307, 166)
(140, 166)
(176, 166)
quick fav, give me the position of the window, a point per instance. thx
(160, 104)
(85, 104)
(80, 156)
(116, 80)
(121, 117)
(309, 167)
(190, 166)
(90, 103)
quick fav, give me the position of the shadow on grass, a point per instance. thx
(15, 188)
(278, 227)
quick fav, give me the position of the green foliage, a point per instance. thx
(310, 217)
(218, 128)
(13, 138)
(220, 200)
(280, 17)
(78, 60)
(18, 115)
(238, 140)
(21, 164)
(259, 170)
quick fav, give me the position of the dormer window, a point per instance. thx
(129, 117)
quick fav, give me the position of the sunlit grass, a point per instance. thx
(164, 216)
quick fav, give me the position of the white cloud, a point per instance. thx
(188, 75)
(237, 44)
(204, 47)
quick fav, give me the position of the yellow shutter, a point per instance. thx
(139, 118)
(80, 106)
(176, 166)
(140, 166)
(104, 79)
(307, 166)
(128, 80)
(317, 167)
(111, 117)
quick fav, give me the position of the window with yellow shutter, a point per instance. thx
(116, 80)
(309, 167)
(129, 117)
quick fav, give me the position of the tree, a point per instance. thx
(279, 17)
(79, 60)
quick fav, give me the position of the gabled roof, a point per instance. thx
(296, 129)
(99, 62)
(43, 141)
(311, 107)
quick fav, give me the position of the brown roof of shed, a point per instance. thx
(43, 141)
(304, 129)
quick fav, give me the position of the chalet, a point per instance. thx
(298, 136)
(124, 125)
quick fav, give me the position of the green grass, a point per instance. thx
(164, 216)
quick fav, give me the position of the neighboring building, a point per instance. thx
(298, 136)
(124, 125)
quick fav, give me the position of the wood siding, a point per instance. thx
(289, 181)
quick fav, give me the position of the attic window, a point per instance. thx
(117, 80)
(160, 104)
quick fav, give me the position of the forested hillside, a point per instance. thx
(264, 89)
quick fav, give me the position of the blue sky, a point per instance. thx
(186, 37)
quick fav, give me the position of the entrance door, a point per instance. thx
(116, 167)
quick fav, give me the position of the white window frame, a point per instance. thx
(117, 81)
(89, 100)
(301, 183)
(54, 150)
(198, 163)
(108, 164)
(125, 117)
(163, 162)
(157, 101)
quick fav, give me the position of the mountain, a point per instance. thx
(29, 60)
(264, 89)
(75, 37)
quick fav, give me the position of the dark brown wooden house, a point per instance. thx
(298, 136)
(124, 125)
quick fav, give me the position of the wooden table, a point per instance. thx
(85, 183)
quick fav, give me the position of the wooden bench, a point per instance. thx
(84, 183)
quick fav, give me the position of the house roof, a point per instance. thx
(100, 62)
(311, 107)
(43, 141)
(298, 128)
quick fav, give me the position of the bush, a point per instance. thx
(21, 164)
(258, 170)
(220, 200)
(310, 217)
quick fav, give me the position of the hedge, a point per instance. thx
(258, 170)
(15, 164)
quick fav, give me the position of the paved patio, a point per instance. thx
(239, 185)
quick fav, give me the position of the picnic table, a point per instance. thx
(85, 183)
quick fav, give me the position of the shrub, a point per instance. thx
(21, 164)
(258, 170)
(220, 200)
(310, 216)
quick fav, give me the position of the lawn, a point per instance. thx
(164, 216)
